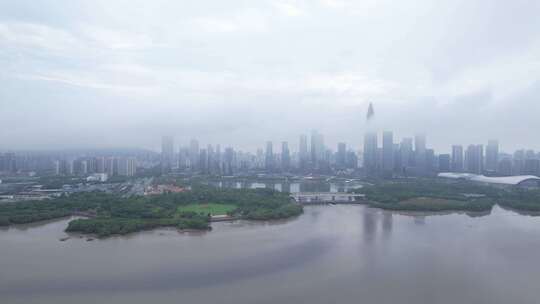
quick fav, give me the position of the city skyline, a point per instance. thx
(270, 151)
(384, 156)
(357, 144)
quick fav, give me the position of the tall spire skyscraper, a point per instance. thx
(370, 112)
(370, 153)
(370, 145)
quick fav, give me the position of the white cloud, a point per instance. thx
(118, 39)
(90, 81)
(210, 24)
(350, 83)
(357, 6)
(247, 21)
(36, 36)
(289, 8)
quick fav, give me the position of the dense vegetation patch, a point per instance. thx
(436, 204)
(524, 200)
(111, 214)
(436, 195)
(4, 221)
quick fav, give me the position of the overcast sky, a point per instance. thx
(124, 73)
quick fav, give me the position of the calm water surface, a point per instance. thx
(330, 254)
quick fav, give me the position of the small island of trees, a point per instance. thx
(109, 214)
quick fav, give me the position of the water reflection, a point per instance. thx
(370, 225)
(387, 223)
(419, 220)
(372, 218)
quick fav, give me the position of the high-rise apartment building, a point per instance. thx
(285, 157)
(444, 163)
(167, 153)
(203, 161)
(100, 164)
(370, 153)
(492, 155)
(229, 166)
(457, 158)
(341, 155)
(127, 166)
(406, 153)
(420, 153)
(218, 160)
(111, 166)
(8, 162)
(303, 154)
(194, 154)
(388, 153)
(317, 149)
(504, 167)
(269, 157)
(474, 159)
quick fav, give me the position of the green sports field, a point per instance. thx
(213, 209)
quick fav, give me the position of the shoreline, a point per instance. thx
(442, 212)
(92, 237)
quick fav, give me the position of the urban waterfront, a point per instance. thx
(291, 187)
(330, 254)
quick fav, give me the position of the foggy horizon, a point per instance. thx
(293, 146)
(113, 75)
(270, 151)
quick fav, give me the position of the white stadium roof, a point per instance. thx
(504, 180)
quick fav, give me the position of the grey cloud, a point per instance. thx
(104, 73)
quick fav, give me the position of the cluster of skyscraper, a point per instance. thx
(381, 157)
(68, 164)
(112, 166)
(206, 160)
(312, 156)
(406, 158)
(8, 162)
(411, 157)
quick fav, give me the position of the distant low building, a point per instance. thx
(97, 177)
(527, 181)
(161, 189)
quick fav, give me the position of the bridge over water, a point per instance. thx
(327, 197)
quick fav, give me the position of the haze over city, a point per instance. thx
(269, 151)
(123, 73)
